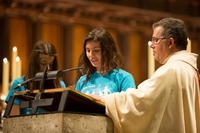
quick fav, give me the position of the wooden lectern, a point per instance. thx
(57, 100)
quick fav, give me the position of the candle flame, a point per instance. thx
(2, 97)
(17, 59)
(149, 43)
(5, 60)
(14, 49)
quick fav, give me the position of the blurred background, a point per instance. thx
(65, 23)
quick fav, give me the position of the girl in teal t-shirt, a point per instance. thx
(102, 61)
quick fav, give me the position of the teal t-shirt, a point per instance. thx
(22, 88)
(116, 80)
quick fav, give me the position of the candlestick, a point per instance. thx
(151, 61)
(14, 70)
(5, 77)
(18, 67)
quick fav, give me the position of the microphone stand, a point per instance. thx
(38, 96)
(38, 101)
(49, 101)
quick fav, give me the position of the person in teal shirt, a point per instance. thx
(102, 60)
(43, 55)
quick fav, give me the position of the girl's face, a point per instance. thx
(46, 60)
(93, 52)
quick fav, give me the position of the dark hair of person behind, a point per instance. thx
(111, 55)
(41, 47)
(176, 29)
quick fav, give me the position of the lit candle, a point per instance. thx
(189, 45)
(14, 70)
(18, 67)
(5, 77)
(151, 61)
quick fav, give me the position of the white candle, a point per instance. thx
(14, 70)
(18, 67)
(151, 61)
(5, 77)
(189, 45)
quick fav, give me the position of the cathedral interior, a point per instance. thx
(65, 23)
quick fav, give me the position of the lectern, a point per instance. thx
(58, 100)
(65, 111)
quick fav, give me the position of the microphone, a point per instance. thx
(71, 69)
(23, 83)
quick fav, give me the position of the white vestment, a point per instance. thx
(168, 102)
